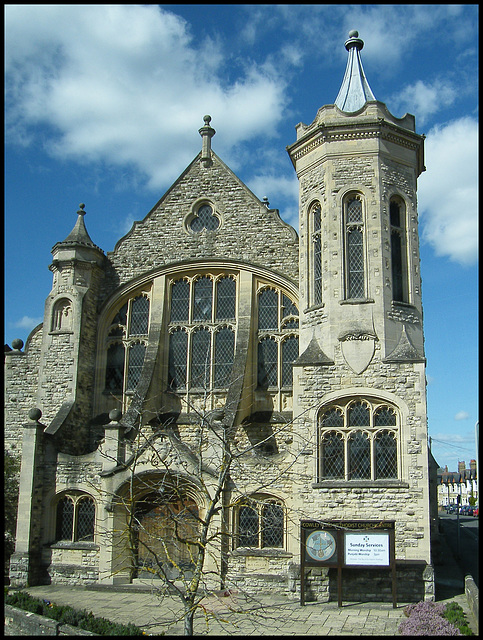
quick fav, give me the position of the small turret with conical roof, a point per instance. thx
(355, 90)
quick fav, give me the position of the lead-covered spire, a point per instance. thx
(355, 90)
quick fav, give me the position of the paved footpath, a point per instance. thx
(232, 615)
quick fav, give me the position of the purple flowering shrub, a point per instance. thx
(426, 619)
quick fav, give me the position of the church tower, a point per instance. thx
(359, 382)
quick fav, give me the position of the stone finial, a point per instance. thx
(35, 414)
(115, 415)
(17, 344)
(266, 202)
(81, 211)
(206, 133)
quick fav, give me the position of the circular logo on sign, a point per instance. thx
(320, 545)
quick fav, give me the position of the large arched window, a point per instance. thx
(358, 440)
(354, 247)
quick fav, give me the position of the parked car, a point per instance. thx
(475, 512)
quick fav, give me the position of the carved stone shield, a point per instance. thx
(358, 350)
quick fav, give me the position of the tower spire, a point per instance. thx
(355, 90)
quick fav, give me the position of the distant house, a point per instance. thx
(452, 484)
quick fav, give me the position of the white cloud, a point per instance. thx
(423, 99)
(448, 191)
(27, 323)
(462, 415)
(127, 84)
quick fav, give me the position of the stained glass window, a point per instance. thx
(260, 523)
(75, 518)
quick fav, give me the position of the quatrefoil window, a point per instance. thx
(204, 219)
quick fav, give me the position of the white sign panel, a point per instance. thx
(366, 548)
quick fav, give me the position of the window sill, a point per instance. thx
(269, 552)
(66, 544)
(360, 484)
(357, 301)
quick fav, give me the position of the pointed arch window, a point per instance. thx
(316, 223)
(398, 260)
(354, 247)
(358, 440)
(259, 522)
(75, 518)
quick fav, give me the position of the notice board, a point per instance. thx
(347, 544)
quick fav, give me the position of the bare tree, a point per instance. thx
(204, 455)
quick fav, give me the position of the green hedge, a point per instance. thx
(67, 615)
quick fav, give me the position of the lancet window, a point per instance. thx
(354, 247)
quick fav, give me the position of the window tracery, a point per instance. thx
(358, 440)
(75, 518)
(259, 522)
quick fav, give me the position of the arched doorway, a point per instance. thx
(166, 531)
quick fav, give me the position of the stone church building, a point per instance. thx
(219, 366)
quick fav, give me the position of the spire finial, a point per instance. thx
(355, 90)
(206, 133)
(81, 211)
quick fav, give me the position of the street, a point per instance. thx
(464, 546)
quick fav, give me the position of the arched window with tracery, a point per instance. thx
(75, 518)
(259, 522)
(358, 440)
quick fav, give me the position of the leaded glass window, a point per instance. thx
(205, 219)
(124, 360)
(332, 455)
(180, 301)
(247, 527)
(75, 518)
(268, 310)
(317, 254)
(272, 525)
(139, 316)
(355, 278)
(224, 354)
(203, 299)
(398, 264)
(65, 519)
(115, 368)
(386, 455)
(85, 519)
(359, 456)
(135, 365)
(201, 359)
(352, 445)
(267, 363)
(178, 354)
(260, 523)
(290, 352)
(225, 299)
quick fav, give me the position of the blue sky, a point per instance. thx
(104, 102)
